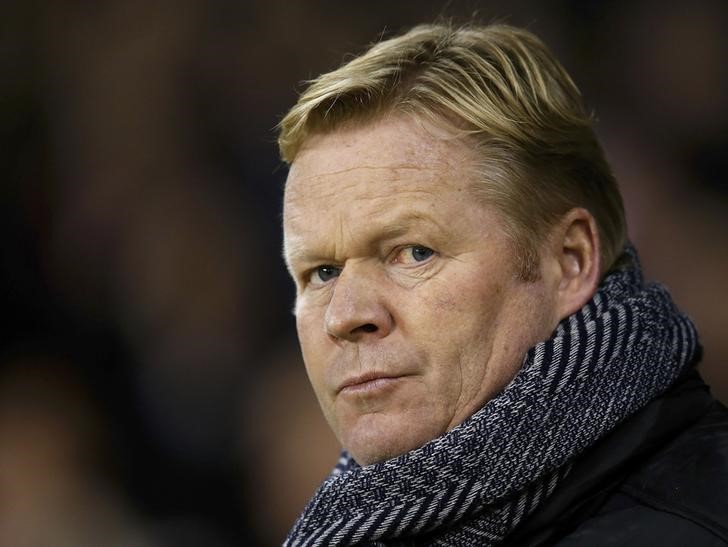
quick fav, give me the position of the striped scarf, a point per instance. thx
(476, 483)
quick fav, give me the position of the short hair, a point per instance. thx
(502, 89)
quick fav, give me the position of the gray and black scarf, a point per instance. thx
(474, 484)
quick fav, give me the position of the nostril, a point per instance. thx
(369, 327)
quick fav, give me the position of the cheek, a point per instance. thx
(461, 305)
(313, 344)
(453, 320)
(462, 319)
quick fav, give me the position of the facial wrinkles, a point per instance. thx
(434, 167)
(353, 200)
(356, 359)
(342, 232)
(379, 183)
(329, 184)
(465, 398)
(430, 159)
(498, 353)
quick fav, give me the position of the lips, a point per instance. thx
(369, 382)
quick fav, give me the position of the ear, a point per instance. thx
(575, 252)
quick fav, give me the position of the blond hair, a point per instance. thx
(502, 88)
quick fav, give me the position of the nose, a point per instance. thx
(357, 310)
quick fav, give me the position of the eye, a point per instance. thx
(324, 274)
(414, 254)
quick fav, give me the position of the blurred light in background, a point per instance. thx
(151, 391)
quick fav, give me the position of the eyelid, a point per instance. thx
(397, 252)
(309, 275)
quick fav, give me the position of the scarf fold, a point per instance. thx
(477, 482)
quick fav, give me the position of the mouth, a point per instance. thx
(368, 383)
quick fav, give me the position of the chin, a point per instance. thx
(369, 455)
(374, 440)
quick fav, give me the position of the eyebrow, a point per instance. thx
(403, 223)
(399, 226)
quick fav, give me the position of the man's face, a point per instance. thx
(409, 308)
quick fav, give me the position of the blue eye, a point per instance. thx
(420, 253)
(324, 274)
(413, 255)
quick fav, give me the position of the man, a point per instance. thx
(473, 323)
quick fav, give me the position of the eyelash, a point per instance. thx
(318, 269)
(412, 248)
(396, 253)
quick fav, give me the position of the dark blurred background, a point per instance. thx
(150, 387)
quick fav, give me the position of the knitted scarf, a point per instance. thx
(474, 484)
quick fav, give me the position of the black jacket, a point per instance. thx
(660, 479)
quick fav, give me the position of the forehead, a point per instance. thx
(351, 191)
(395, 155)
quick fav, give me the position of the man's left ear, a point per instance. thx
(576, 260)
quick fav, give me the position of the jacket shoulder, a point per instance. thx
(689, 477)
(677, 497)
(625, 522)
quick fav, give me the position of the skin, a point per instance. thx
(409, 309)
